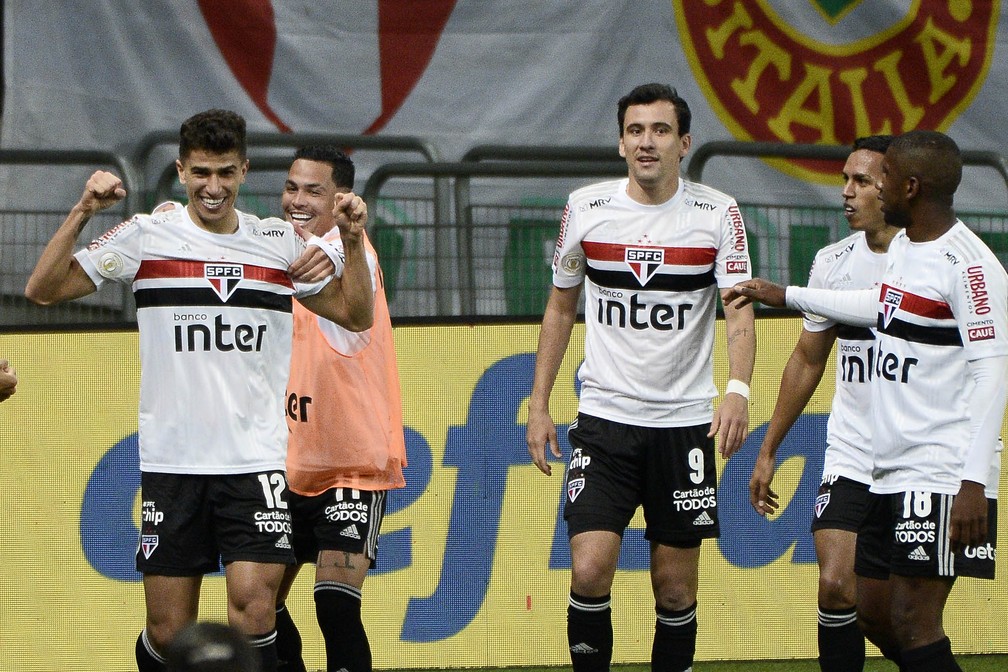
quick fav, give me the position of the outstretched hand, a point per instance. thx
(753, 291)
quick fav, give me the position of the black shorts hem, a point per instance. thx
(870, 573)
(616, 527)
(180, 572)
(272, 559)
(684, 542)
(834, 525)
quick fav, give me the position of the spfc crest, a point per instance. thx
(821, 502)
(644, 262)
(574, 488)
(224, 278)
(148, 542)
(890, 304)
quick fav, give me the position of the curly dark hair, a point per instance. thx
(217, 131)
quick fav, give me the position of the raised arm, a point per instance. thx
(554, 336)
(58, 276)
(347, 300)
(802, 373)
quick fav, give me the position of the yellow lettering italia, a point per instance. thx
(912, 114)
(862, 124)
(768, 54)
(930, 38)
(718, 37)
(794, 111)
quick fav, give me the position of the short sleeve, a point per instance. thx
(115, 255)
(569, 257)
(732, 265)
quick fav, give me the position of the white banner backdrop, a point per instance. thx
(100, 75)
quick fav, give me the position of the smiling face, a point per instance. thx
(861, 174)
(309, 196)
(653, 150)
(212, 181)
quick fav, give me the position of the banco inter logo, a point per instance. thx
(224, 278)
(828, 71)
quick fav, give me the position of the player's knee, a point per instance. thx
(673, 594)
(675, 599)
(590, 577)
(836, 591)
(252, 612)
(161, 633)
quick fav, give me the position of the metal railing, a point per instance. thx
(779, 150)
(25, 228)
(262, 162)
(454, 223)
(467, 238)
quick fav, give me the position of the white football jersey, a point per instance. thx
(214, 315)
(942, 304)
(651, 276)
(848, 264)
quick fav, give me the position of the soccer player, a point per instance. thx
(213, 288)
(856, 262)
(938, 387)
(346, 448)
(652, 251)
(8, 380)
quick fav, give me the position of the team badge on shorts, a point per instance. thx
(821, 502)
(148, 542)
(574, 488)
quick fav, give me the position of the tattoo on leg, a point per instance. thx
(346, 562)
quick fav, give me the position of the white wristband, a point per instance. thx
(335, 254)
(738, 387)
